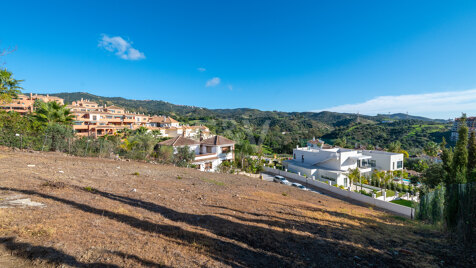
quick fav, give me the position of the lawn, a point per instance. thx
(403, 202)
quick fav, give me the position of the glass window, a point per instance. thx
(399, 164)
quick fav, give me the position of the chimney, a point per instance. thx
(31, 96)
(81, 99)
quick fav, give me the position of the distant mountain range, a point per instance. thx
(166, 108)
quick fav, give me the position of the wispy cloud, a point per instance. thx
(201, 69)
(213, 82)
(230, 87)
(438, 104)
(120, 47)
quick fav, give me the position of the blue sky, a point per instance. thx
(347, 56)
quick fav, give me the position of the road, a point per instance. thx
(269, 177)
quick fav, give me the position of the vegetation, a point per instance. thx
(449, 192)
(403, 202)
(9, 86)
(280, 132)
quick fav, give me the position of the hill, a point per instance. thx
(96, 212)
(280, 132)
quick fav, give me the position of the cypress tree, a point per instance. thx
(460, 157)
(472, 157)
(447, 158)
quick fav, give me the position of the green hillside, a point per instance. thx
(282, 131)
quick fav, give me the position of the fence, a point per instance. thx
(395, 208)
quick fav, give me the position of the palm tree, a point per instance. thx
(354, 176)
(244, 149)
(53, 112)
(9, 87)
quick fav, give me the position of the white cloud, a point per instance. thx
(230, 87)
(120, 47)
(435, 105)
(201, 69)
(213, 82)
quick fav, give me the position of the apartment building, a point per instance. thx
(91, 119)
(24, 104)
(209, 153)
(333, 164)
(470, 122)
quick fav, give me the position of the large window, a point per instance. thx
(399, 164)
(226, 149)
(372, 163)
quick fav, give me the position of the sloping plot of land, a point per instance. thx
(130, 214)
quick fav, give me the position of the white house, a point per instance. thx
(209, 153)
(333, 164)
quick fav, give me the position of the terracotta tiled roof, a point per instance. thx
(217, 140)
(163, 120)
(179, 141)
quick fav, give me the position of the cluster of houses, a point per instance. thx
(24, 104)
(329, 164)
(94, 120)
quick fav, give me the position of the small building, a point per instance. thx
(209, 153)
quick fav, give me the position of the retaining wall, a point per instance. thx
(398, 209)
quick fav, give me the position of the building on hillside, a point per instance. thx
(333, 164)
(318, 144)
(470, 122)
(24, 104)
(209, 153)
(91, 119)
(163, 121)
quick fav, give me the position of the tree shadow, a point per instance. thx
(293, 248)
(48, 254)
(223, 251)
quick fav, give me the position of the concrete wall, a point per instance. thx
(385, 160)
(395, 208)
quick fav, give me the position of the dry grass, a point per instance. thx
(185, 218)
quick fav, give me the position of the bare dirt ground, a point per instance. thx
(106, 213)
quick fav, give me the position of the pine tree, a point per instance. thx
(472, 157)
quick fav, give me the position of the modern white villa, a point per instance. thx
(209, 153)
(333, 164)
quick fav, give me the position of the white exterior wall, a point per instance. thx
(334, 159)
(385, 160)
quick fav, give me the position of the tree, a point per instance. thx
(341, 142)
(165, 154)
(354, 176)
(431, 148)
(52, 112)
(460, 157)
(395, 147)
(183, 156)
(472, 157)
(243, 150)
(9, 87)
(447, 158)
(434, 175)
